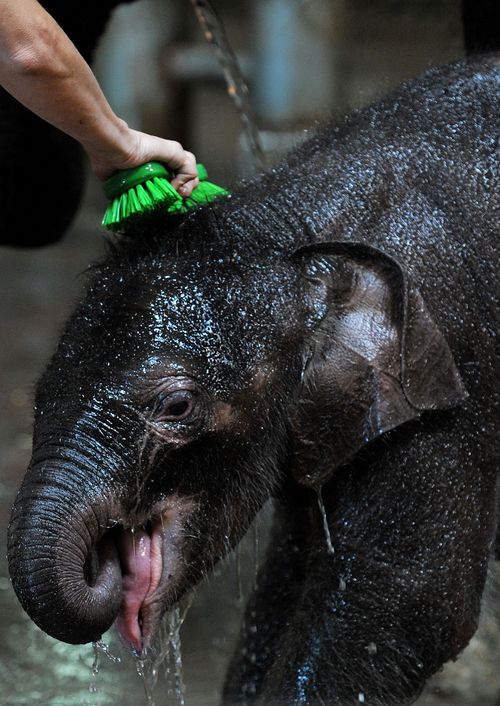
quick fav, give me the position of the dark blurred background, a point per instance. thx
(305, 61)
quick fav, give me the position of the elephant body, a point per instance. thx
(413, 517)
(326, 332)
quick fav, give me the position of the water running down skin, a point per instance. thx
(328, 326)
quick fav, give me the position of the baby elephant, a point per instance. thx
(325, 335)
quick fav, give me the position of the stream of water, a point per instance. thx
(168, 653)
(324, 518)
(215, 34)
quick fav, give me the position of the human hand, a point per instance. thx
(42, 69)
(135, 148)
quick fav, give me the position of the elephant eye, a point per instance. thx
(174, 406)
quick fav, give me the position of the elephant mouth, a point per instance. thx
(150, 562)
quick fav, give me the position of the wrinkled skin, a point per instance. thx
(329, 328)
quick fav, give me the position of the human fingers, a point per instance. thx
(171, 153)
(138, 148)
(186, 178)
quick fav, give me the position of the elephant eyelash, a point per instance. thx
(175, 392)
(174, 430)
(161, 383)
(174, 406)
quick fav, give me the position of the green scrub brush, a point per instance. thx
(147, 189)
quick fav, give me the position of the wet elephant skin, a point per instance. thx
(329, 328)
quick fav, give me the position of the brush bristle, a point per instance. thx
(157, 194)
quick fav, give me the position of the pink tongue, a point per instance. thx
(135, 554)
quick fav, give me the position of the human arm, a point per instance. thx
(43, 70)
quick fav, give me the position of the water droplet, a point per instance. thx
(175, 619)
(95, 668)
(239, 585)
(255, 530)
(322, 510)
(103, 648)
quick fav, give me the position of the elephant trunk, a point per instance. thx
(63, 562)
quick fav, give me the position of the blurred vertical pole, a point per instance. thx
(296, 58)
(127, 62)
(275, 73)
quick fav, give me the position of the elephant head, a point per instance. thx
(188, 389)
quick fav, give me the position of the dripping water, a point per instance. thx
(95, 670)
(103, 648)
(149, 677)
(255, 530)
(215, 34)
(167, 655)
(148, 666)
(99, 648)
(326, 529)
(239, 583)
(175, 620)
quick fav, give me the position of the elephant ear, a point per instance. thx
(375, 358)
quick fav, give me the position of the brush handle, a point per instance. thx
(126, 179)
